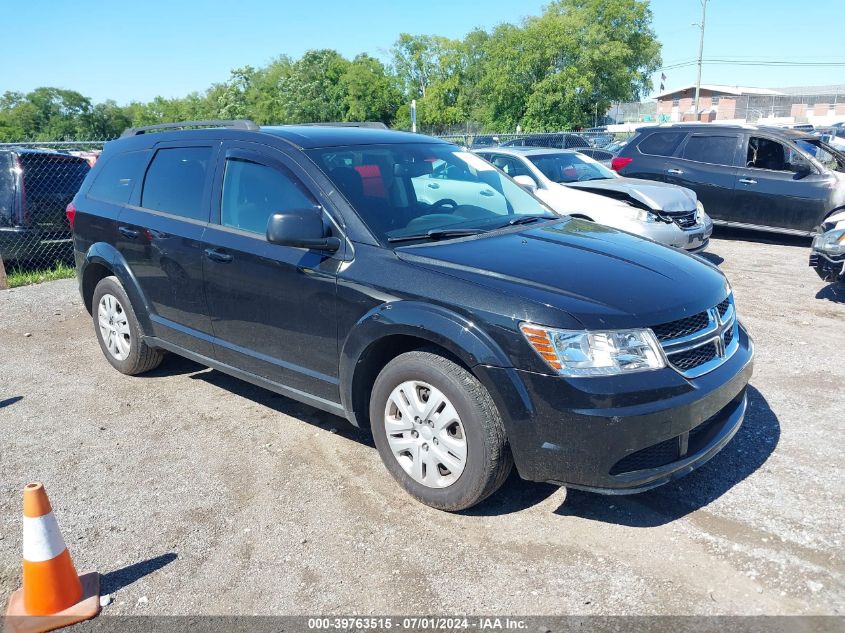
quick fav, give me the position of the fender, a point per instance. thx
(108, 256)
(443, 327)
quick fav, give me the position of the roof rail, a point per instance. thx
(240, 124)
(378, 125)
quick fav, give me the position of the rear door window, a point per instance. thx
(175, 182)
(661, 143)
(118, 176)
(707, 148)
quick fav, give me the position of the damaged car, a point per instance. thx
(576, 185)
(828, 252)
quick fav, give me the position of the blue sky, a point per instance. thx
(128, 51)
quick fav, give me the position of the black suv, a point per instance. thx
(35, 187)
(467, 332)
(763, 178)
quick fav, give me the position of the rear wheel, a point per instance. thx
(117, 330)
(438, 431)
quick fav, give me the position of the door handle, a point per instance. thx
(217, 255)
(675, 172)
(748, 181)
(132, 234)
(487, 192)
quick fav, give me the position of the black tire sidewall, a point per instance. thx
(469, 487)
(111, 285)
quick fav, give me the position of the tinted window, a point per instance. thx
(117, 177)
(175, 182)
(661, 143)
(718, 150)
(253, 192)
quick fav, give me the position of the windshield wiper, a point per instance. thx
(436, 234)
(528, 219)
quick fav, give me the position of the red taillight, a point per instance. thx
(619, 162)
(70, 212)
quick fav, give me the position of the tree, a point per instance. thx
(312, 92)
(370, 93)
(559, 67)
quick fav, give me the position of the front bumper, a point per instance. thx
(828, 268)
(625, 434)
(691, 240)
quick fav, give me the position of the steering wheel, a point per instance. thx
(445, 201)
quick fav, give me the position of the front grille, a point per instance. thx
(681, 327)
(684, 219)
(692, 344)
(695, 357)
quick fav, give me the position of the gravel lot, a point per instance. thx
(195, 493)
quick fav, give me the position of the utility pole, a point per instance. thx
(700, 55)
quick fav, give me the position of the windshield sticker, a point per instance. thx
(478, 164)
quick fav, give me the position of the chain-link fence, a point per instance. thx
(37, 182)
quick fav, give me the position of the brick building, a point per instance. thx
(716, 102)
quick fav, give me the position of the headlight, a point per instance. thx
(595, 353)
(645, 216)
(830, 243)
(699, 213)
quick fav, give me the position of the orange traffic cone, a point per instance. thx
(53, 595)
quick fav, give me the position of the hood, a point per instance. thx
(602, 277)
(656, 196)
(565, 199)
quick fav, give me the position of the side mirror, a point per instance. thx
(301, 228)
(802, 170)
(526, 182)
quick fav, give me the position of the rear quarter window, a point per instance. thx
(175, 182)
(118, 176)
(715, 150)
(661, 143)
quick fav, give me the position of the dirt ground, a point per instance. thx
(195, 493)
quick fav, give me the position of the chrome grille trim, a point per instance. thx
(722, 330)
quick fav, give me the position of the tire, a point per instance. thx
(466, 424)
(124, 347)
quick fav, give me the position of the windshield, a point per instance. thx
(825, 154)
(570, 167)
(415, 189)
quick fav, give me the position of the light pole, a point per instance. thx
(700, 54)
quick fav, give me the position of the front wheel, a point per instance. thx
(438, 431)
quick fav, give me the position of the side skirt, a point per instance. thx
(289, 392)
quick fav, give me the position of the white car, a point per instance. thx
(576, 185)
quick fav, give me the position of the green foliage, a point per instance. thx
(550, 72)
(24, 277)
